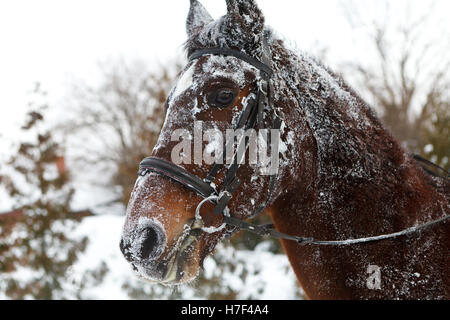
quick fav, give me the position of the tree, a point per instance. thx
(436, 127)
(35, 247)
(121, 117)
(406, 78)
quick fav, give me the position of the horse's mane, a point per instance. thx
(355, 151)
(344, 126)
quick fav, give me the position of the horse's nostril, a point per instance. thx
(152, 243)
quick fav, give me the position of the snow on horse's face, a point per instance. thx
(210, 94)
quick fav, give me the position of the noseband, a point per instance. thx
(251, 115)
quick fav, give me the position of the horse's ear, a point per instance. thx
(197, 18)
(249, 15)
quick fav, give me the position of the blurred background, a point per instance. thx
(82, 89)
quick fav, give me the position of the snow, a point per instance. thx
(269, 275)
(428, 148)
(197, 17)
(226, 67)
(259, 274)
(195, 108)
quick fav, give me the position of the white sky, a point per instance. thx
(53, 41)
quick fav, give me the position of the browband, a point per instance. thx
(234, 53)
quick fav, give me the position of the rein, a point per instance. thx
(251, 115)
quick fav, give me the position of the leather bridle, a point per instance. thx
(251, 115)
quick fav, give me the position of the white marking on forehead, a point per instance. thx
(184, 82)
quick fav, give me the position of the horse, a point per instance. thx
(340, 174)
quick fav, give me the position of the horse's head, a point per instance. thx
(169, 229)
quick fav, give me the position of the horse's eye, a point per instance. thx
(222, 98)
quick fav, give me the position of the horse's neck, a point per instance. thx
(352, 180)
(360, 170)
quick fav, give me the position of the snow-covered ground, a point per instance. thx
(256, 274)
